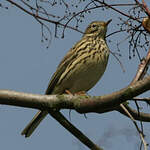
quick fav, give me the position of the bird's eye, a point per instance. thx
(94, 25)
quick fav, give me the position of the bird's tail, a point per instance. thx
(28, 130)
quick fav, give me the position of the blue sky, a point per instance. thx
(26, 66)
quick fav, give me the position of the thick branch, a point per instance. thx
(73, 130)
(81, 104)
(133, 114)
(109, 102)
(142, 69)
(46, 103)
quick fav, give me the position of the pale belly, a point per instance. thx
(83, 78)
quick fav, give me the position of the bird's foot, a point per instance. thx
(68, 92)
(82, 93)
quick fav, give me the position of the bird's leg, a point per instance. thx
(68, 92)
(82, 93)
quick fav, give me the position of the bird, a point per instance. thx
(80, 69)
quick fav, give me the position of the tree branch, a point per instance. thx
(126, 110)
(142, 69)
(42, 18)
(82, 104)
(134, 122)
(137, 116)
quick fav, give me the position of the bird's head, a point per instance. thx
(97, 28)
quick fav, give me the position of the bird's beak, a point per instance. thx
(108, 22)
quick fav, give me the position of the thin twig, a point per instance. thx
(142, 69)
(134, 122)
(146, 8)
(145, 99)
(121, 65)
(42, 18)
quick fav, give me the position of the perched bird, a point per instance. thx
(79, 70)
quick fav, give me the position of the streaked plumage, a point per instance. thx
(80, 69)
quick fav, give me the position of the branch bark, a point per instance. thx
(136, 115)
(82, 104)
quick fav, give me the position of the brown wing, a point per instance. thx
(68, 59)
(70, 56)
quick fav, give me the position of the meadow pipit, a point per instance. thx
(80, 69)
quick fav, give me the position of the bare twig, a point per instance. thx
(142, 69)
(139, 131)
(145, 99)
(42, 18)
(135, 114)
(115, 9)
(146, 8)
(121, 65)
